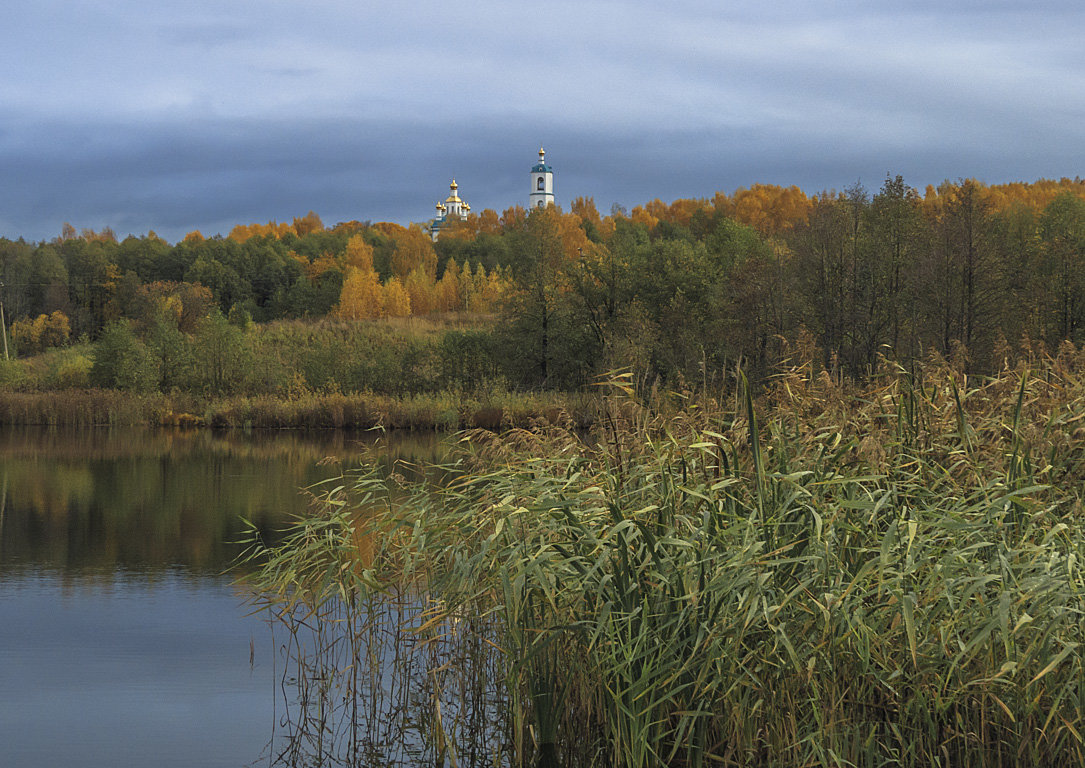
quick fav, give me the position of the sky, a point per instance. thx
(174, 117)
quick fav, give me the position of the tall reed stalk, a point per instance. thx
(885, 575)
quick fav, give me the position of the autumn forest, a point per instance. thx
(551, 299)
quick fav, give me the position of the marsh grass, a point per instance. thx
(83, 407)
(829, 575)
(445, 411)
(450, 410)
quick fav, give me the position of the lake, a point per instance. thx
(123, 642)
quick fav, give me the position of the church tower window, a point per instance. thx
(542, 183)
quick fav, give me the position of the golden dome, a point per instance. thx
(454, 186)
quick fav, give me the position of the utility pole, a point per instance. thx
(3, 325)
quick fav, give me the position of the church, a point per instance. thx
(454, 208)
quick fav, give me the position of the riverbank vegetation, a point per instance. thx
(437, 373)
(547, 300)
(831, 573)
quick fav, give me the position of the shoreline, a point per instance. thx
(442, 411)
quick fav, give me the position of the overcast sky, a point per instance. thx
(200, 115)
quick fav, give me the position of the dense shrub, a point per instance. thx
(122, 361)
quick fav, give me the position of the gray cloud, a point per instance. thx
(206, 115)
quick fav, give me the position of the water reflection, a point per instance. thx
(121, 642)
(364, 685)
(92, 501)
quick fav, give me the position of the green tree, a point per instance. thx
(897, 238)
(1062, 229)
(531, 309)
(223, 362)
(225, 283)
(92, 281)
(960, 289)
(171, 350)
(122, 361)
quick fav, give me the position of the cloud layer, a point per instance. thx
(207, 114)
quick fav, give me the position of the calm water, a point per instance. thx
(121, 641)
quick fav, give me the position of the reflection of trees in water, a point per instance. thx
(382, 681)
(3, 508)
(112, 443)
(82, 500)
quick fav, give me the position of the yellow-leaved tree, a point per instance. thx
(422, 289)
(44, 332)
(358, 254)
(310, 222)
(768, 208)
(396, 301)
(448, 289)
(489, 223)
(411, 248)
(362, 297)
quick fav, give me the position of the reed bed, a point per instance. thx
(86, 407)
(449, 411)
(834, 575)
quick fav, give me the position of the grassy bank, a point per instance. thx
(835, 575)
(438, 373)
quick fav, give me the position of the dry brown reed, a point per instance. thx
(76, 407)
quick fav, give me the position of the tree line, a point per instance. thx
(679, 291)
(961, 270)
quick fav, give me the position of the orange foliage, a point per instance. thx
(1036, 195)
(243, 232)
(325, 262)
(937, 199)
(104, 236)
(679, 212)
(768, 208)
(465, 230)
(682, 211)
(513, 218)
(550, 221)
(411, 248)
(310, 222)
(574, 241)
(1000, 197)
(353, 227)
(489, 223)
(584, 208)
(644, 214)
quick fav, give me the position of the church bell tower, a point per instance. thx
(542, 183)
